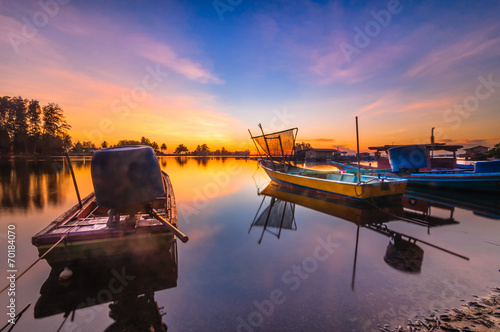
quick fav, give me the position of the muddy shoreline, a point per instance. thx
(478, 316)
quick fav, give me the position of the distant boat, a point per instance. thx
(409, 159)
(131, 214)
(279, 146)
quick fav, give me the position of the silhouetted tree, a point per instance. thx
(5, 128)
(25, 126)
(202, 150)
(19, 124)
(34, 116)
(53, 120)
(145, 141)
(181, 148)
(495, 151)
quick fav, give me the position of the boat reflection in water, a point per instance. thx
(128, 286)
(402, 252)
(484, 205)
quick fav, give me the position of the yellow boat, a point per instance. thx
(334, 182)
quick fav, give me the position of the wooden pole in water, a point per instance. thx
(355, 259)
(357, 142)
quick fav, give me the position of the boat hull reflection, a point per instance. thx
(402, 252)
(128, 286)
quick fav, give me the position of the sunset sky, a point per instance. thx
(195, 72)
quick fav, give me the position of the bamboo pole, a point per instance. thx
(74, 180)
(153, 213)
(357, 142)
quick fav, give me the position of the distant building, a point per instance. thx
(364, 154)
(477, 152)
(242, 153)
(318, 154)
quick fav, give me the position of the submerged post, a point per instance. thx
(357, 142)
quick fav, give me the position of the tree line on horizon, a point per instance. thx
(26, 127)
(181, 149)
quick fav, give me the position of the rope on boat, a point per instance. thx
(40, 258)
(255, 181)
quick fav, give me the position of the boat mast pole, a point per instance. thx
(357, 142)
(74, 180)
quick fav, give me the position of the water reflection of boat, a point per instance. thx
(358, 212)
(421, 210)
(128, 286)
(276, 216)
(402, 253)
(132, 212)
(485, 205)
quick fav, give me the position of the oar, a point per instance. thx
(153, 213)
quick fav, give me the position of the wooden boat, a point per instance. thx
(281, 146)
(334, 182)
(484, 177)
(477, 182)
(116, 220)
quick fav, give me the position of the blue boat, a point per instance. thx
(408, 161)
(410, 158)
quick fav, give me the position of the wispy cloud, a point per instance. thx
(475, 45)
(163, 54)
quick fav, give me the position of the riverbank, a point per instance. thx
(478, 316)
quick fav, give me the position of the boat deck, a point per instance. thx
(86, 235)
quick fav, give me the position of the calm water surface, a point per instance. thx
(232, 276)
